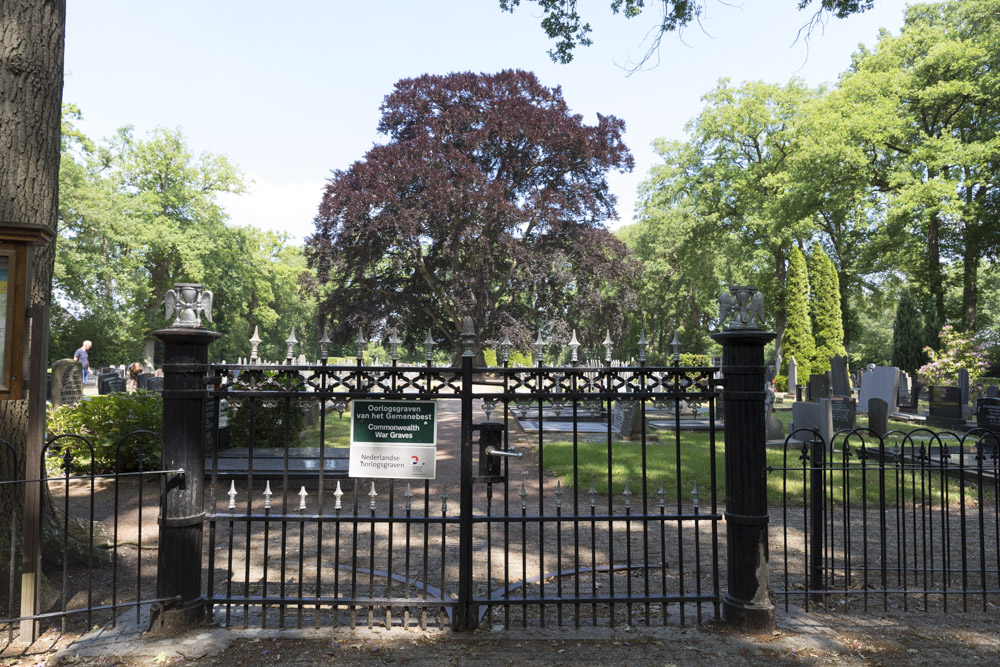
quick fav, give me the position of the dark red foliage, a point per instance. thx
(489, 200)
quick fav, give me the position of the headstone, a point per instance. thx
(625, 418)
(913, 398)
(988, 413)
(148, 351)
(116, 385)
(155, 384)
(845, 413)
(67, 382)
(819, 386)
(903, 388)
(992, 391)
(879, 382)
(142, 381)
(793, 374)
(773, 426)
(840, 383)
(963, 386)
(945, 406)
(103, 380)
(878, 416)
(813, 416)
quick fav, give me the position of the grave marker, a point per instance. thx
(840, 383)
(67, 382)
(878, 416)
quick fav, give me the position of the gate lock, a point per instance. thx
(491, 451)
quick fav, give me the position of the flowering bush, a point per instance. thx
(958, 350)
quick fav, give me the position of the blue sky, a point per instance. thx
(290, 91)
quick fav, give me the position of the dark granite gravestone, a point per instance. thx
(945, 406)
(903, 389)
(840, 383)
(625, 418)
(845, 413)
(963, 387)
(142, 380)
(819, 386)
(879, 382)
(155, 384)
(67, 382)
(878, 416)
(813, 416)
(793, 375)
(988, 413)
(992, 391)
(913, 400)
(116, 385)
(103, 380)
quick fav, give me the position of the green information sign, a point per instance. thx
(393, 439)
(390, 422)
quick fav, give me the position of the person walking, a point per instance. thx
(84, 358)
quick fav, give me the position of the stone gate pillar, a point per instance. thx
(746, 603)
(182, 513)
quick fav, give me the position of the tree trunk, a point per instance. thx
(970, 278)
(934, 280)
(32, 36)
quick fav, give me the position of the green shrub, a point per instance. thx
(518, 358)
(268, 423)
(104, 421)
(490, 358)
(690, 360)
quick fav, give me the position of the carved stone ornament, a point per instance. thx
(190, 301)
(745, 305)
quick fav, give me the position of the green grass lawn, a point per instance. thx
(788, 476)
(338, 431)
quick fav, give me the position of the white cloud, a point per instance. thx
(285, 207)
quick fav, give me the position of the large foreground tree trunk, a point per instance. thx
(32, 37)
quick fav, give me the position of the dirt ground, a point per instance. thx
(910, 639)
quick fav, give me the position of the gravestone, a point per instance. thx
(142, 381)
(913, 399)
(155, 384)
(103, 380)
(878, 416)
(625, 418)
(793, 375)
(819, 386)
(945, 407)
(813, 416)
(903, 390)
(879, 382)
(773, 426)
(116, 385)
(67, 382)
(845, 413)
(840, 383)
(992, 391)
(988, 413)
(963, 386)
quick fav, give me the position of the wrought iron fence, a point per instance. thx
(510, 540)
(98, 535)
(903, 521)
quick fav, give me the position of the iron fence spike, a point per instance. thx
(338, 494)
(267, 495)
(232, 494)
(302, 497)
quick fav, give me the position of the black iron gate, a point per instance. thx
(570, 508)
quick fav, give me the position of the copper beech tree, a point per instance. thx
(489, 199)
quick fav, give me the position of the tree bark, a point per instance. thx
(32, 37)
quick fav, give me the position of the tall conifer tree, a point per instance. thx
(798, 341)
(908, 334)
(827, 317)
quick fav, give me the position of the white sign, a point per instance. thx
(393, 439)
